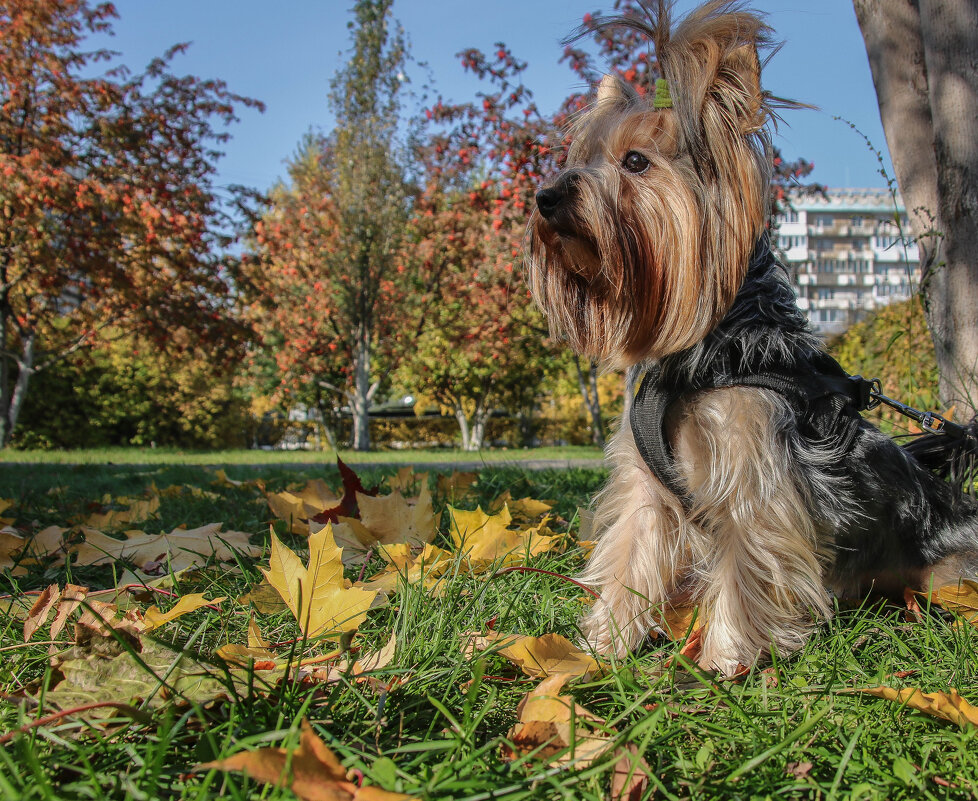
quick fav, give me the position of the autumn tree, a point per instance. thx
(304, 302)
(479, 343)
(108, 214)
(924, 59)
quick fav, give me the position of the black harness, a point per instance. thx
(825, 398)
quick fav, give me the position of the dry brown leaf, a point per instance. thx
(377, 659)
(311, 771)
(406, 479)
(12, 543)
(316, 593)
(555, 727)
(136, 510)
(180, 549)
(457, 484)
(154, 618)
(631, 776)
(71, 598)
(41, 609)
(947, 706)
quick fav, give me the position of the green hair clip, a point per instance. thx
(662, 97)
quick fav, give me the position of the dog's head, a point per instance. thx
(639, 245)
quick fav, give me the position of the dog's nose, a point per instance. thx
(548, 201)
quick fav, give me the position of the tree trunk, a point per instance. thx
(463, 425)
(950, 33)
(360, 402)
(13, 404)
(592, 404)
(923, 56)
(477, 434)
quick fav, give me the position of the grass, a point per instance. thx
(432, 721)
(172, 456)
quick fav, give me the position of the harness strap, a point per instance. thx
(825, 398)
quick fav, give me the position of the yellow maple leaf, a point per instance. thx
(405, 480)
(394, 518)
(548, 655)
(154, 618)
(523, 508)
(486, 539)
(428, 566)
(947, 706)
(316, 593)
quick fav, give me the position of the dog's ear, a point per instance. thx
(737, 89)
(613, 89)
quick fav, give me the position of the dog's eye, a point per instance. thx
(635, 162)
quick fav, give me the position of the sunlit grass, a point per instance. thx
(431, 722)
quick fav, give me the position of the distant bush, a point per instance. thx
(894, 345)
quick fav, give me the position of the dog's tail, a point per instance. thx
(952, 456)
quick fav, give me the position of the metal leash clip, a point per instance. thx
(930, 422)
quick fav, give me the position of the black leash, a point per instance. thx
(930, 422)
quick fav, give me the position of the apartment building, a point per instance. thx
(849, 252)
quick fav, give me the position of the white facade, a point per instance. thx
(849, 251)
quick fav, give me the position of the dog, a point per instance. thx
(743, 478)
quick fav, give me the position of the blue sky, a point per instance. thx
(285, 53)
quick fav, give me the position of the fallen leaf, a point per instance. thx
(427, 567)
(352, 487)
(487, 539)
(960, 598)
(393, 518)
(154, 618)
(12, 543)
(548, 655)
(631, 776)
(41, 609)
(556, 728)
(521, 509)
(178, 550)
(311, 771)
(136, 510)
(376, 660)
(316, 594)
(947, 706)
(265, 598)
(71, 598)
(406, 479)
(799, 770)
(457, 484)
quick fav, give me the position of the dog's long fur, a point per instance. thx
(655, 266)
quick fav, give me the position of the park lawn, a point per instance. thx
(242, 456)
(433, 722)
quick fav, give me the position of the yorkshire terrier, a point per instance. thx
(744, 480)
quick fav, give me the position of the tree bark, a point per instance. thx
(923, 55)
(13, 404)
(360, 403)
(592, 404)
(950, 35)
